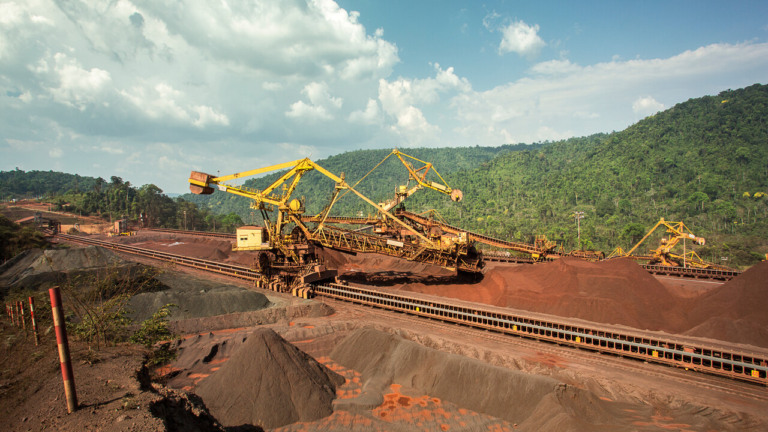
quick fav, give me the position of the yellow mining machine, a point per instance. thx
(121, 228)
(677, 232)
(288, 260)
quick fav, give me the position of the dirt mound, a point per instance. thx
(196, 247)
(270, 383)
(12, 269)
(379, 267)
(195, 298)
(614, 292)
(37, 269)
(735, 311)
(532, 402)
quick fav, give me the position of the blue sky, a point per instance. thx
(587, 32)
(151, 90)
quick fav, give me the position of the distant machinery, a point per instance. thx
(662, 255)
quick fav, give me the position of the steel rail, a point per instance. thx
(194, 233)
(239, 272)
(725, 361)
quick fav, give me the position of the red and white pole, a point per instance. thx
(13, 315)
(18, 315)
(23, 320)
(32, 318)
(61, 340)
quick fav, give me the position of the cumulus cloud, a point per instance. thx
(516, 36)
(401, 99)
(555, 67)
(370, 115)
(77, 86)
(55, 152)
(521, 38)
(321, 103)
(310, 39)
(560, 99)
(646, 105)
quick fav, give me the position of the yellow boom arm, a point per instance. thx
(201, 183)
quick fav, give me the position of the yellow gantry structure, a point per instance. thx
(663, 253)
(201, 183)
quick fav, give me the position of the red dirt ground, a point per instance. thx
(616, 291)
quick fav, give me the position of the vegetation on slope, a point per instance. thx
(15, 239)
(32, 184)
(116, 199)
(704, 162)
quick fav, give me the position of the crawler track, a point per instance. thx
(723, 360)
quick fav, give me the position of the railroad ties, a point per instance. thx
(725, 360)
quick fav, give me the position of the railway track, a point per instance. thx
(722, 360)
(235, 271)
(195, 233)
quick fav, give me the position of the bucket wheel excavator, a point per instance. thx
(677, 233)
(287, 247)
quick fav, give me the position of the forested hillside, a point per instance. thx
(704, 162)
(116, 199)
(31, 184)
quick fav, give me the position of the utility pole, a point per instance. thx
(185, 220)
(579, 216)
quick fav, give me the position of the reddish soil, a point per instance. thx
(248, 377)
(266, 381)
(615, 291)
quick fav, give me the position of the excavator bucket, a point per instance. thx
(457, 195)
(198, 183)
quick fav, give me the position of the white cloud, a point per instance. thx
(55, 152)
(403, 98)
(279, 38)
(207, 116)
(301, 110)
(521, 38)
(10, 14)
(158, 102)
(370, 115)
(646, 105)
(561, 99)
(164, 102)
(114, 149)
(271, 85)
(77, 87)
(555, 67)
(320, 105)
